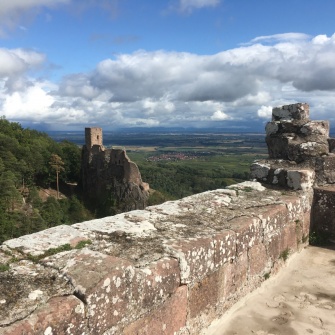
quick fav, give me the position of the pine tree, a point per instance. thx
(58, 165)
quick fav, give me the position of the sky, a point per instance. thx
(70, 64)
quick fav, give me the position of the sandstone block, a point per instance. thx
(116, 292)
(225, 248)
(323, 212)
(302, 151)
(289, 239)
(257, 259)
(27, 286)
(206, 294)
(315, 128)
(325, 169)
(300, 179)
(38, 243)
(234, 276)
(60, 315)
(259, 170)
(273, 247)
(196, 257)
(299, 111)
(166, 320)
(249, 231)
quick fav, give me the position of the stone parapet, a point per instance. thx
(168, 269)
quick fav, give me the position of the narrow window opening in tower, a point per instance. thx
(98, 137)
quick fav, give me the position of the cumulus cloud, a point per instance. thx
(219, 116)
(265, 112)
(17, 61)
(177, 89)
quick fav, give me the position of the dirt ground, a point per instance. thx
(299, 300)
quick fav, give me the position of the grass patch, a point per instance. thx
(54, 251)
(267, 275)
(4, 267)
(83, 244)
(284, 254)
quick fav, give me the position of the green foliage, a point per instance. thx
(156, 198)
(50, 252)
(267, 275)
(61, 248)
(83, 244)
(4, 267)
(28, 161)
(284, 254)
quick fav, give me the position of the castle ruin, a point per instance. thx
(109, 178)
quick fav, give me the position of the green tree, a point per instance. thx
(9, 196)
(57, 164)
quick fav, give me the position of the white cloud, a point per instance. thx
(18, 61)
(219, 116)
(287, 37)
(265, 112)
(33, 104)
(177, 89)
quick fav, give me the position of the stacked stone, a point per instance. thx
(300, 150)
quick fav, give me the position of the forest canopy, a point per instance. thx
(25, 170)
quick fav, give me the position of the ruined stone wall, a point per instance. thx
(168, 269)
(109, 177)
(301, 154)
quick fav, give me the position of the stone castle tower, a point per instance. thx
(109, 178)
(93, 136)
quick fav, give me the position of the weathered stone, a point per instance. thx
(196, 258)
(257, 259)
(60, 315)
(300, 179)
(323, 212)
(299, 111)
(38, 243)
(300, 151)
(206, 294)
(283, 173)
(135, 224)
(225, 248)
(325, 169)
(314, 130)
(25, 287)
(166, 320)
(248, 231)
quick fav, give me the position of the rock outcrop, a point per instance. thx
(109, 179)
